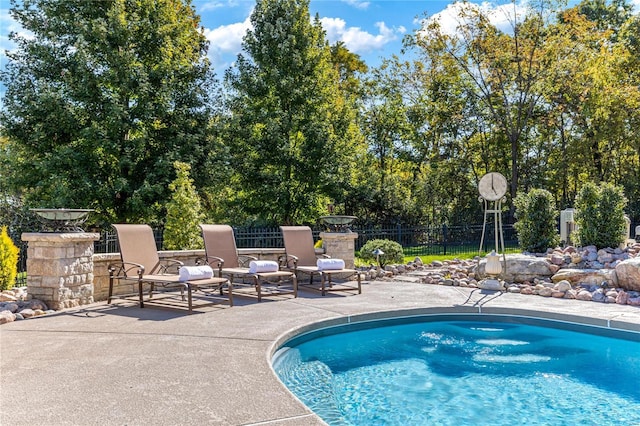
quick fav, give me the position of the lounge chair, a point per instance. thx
(140, 265)
(222, 255)
(301, 257)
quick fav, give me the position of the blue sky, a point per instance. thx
(371, 28)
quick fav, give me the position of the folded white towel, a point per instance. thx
(257, 266)
(330, 264)
(188, 273)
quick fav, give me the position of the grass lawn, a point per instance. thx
(410, 253)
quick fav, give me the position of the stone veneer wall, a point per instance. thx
(340, 245)
(188, 257)
(60, 268)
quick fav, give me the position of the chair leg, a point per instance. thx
(109, 297)
(140, 294)
(359, 282)
(230, 289)
(295, 285)
(256, 283)
(189, 299)
(322, 284)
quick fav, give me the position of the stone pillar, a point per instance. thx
(60, 268)
(340, 245)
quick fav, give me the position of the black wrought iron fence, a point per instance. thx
(436, 240)
(421, 240)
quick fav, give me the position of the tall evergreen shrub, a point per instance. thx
(600, 215)
(184, 213)
(8, 260)
(536, 225)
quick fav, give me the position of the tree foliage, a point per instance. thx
(108, 95)
(101, 101)
(184, 213)
(293, 133)
(536, 226)
(600, 217)
(8, 260)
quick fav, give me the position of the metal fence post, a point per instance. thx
(444, 237)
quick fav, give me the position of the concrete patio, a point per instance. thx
(121, 365)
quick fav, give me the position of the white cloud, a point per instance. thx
(501, 16)
(358, 4)
(358, 40)
(211, 5)
(226, 40)
(8, 24)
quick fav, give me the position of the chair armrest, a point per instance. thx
(164, 265)
(285, 260)
(323, 256)
(244, 259)
(215, 262)
(121, 269)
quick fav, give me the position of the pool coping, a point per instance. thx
(595, 323)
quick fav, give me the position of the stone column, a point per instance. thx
(340, 245)
(60, 268)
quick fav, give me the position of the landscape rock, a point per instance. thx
(6, 316)
(628, 273)
(584, 295)
(589, 276)
(563, 286)
(519, 268)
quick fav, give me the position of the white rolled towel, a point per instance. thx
(257, 266)
(188, 273)
(330, 264)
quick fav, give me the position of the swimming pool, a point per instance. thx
(453, 370)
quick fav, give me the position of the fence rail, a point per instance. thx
(416, 240)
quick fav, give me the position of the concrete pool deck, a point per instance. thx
(121, 365)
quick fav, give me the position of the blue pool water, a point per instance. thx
(463, 373)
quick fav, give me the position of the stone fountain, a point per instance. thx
(338, 240)
(60, 258)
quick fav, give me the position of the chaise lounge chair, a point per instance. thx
(140, 265)
(222, 255)
(301, 257)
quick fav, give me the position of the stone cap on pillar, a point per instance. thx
(60, 236)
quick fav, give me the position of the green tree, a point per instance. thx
(102, 99)
(8, 260)
(349, 66)
(536, 226)
(504, 69)
(293, 135)
(600, 215)
(184, 213)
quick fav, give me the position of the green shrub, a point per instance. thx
(392, 252)
(184, 213)
(600, 215)
(8, 260)
(536, 226)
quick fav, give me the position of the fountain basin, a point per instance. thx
(338, 223)
(62, 220)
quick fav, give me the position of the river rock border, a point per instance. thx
(587, 274)
(15, 306)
